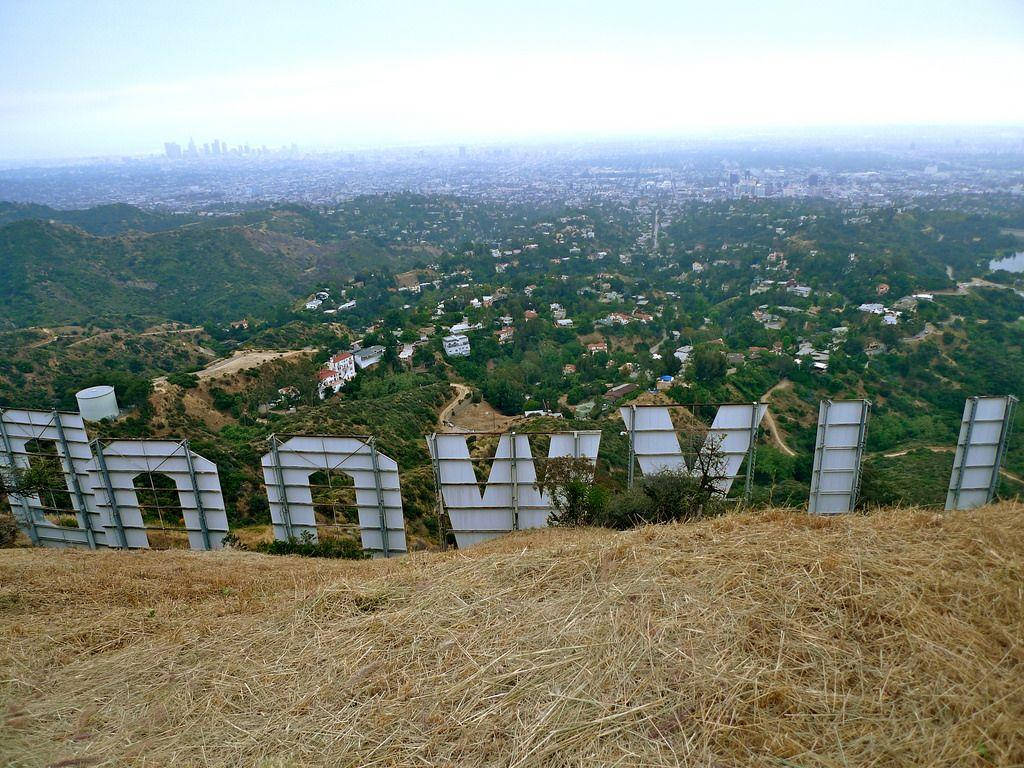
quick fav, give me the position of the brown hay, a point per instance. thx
(761, 639)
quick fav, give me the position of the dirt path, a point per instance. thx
(170, 331)
(950, 449)
(463, 415)
(240, 360)
(461, 392)
(769, 420)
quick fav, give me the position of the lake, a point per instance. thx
(1013, 263)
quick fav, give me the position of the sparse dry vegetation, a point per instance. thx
(762, 639)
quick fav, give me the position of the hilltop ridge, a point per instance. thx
(895, 638)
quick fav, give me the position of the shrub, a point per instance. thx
(665, 497)
(306, 546)
(184, 380)
(8, 529)
(569, 483)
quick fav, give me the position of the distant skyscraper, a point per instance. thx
(172, 150)
(462, 151)
(216, 146)
(192, 151)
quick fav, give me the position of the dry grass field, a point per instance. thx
(766, 639)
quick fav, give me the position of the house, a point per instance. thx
(548, 414)
(875, 348)
(328, 380)
(368, 356)
(314, 303)
(664, 382)
(583, 410)
(683, 354)
(530, 314)
(406, 353)
(874, 309)
(456, 345)
(344, 364)
(597, 346)
(505, 334)
(564, 322)
(620, 391)
(347, 305)
(568, 369)
(615, 318)
(803, 291)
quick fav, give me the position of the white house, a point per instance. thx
(874, 309)
(343, 363)
(337, 370)
(328, 380)
(314, 304)
(368, 356)
(683, 354)
(456, 345)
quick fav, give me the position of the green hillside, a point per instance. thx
(99, 220)
(51, 273)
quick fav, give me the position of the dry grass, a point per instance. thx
(766, 639)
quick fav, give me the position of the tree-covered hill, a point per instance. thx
(52, 273)
(99, 220)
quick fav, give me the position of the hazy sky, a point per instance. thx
(99, 77)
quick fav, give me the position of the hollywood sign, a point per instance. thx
(100, 475)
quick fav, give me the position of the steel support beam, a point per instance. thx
(200, 510)
(115, 513)
(30, 521)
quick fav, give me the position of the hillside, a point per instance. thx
(52, 273)
(762, 639)
(99, 220)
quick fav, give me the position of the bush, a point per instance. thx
(184, 380)
(665, 497)
(306, 546)
(569, 483)
(8, 529)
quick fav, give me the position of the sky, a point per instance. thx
(95, 78)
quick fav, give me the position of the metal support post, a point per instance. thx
(435, 465)
(751, 452)
(76, 487)
(862, 435)
(115, 513)
(819, 453)
(966, 450)
(286, 517)
(514, 477)
(632, 447)
(26, 510)
(1004, 439)
(381, 509)
(200, 510)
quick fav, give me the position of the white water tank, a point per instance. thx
(96, 403)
